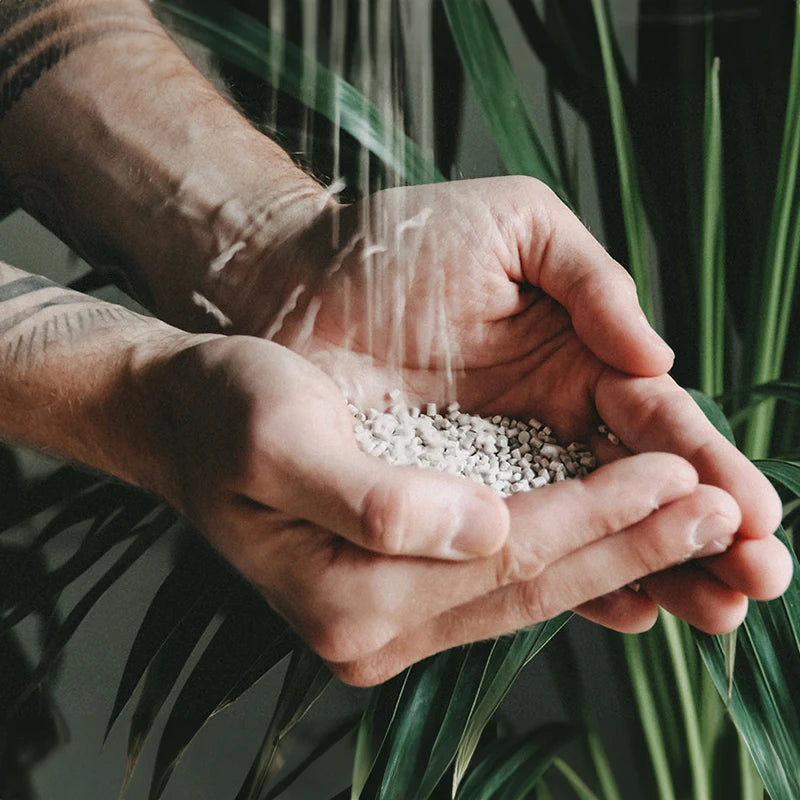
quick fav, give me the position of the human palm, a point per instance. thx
(492, 293)
(441, 294)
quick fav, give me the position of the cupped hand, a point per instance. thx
(378, 566)
(492, 292)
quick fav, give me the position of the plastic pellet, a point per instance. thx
(507, 455)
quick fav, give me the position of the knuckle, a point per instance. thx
(534, 603)
(534, 188)
(713, 500)
(626, 280)
(347, 640)
(386, 508)
(655, 553)
(254, 458)
(365, 672)
(512, 566)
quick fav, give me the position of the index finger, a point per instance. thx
(655, 414)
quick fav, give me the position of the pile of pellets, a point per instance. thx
(507, 455)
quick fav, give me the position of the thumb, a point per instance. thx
(404, 510)
(416, 511)
(599, 296)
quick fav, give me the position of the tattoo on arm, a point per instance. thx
(21, 343)
(36, 35)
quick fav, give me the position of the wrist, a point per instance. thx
(280, 242)
(71, 385)
(159, 400)
(146, 169)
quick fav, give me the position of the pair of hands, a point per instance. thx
(492, 290)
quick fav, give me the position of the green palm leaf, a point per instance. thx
(510, 769)
(401, 759)
(48, 493)
(766, 687)
(166, 666)
(144, 536)
(433, 715)
(763, 687)
(339, 732)
(786, 473)
(250, 641)
(114, 518)
(506, 661)
(373, 732)
(305, 681)
(780, 390)
(243, 41)
(630, 195)
(781, 262)
(502, 103)
(175, 600)
(712, 245)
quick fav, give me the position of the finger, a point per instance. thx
(623, 610)
(550, 523)
(322, 476)
(656, 414)
(411, 511)
(406, 510)
(759, 568)
(369, 599)
(663, 539)
(691, 593)
(600, 296)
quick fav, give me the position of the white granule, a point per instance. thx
(507, 455)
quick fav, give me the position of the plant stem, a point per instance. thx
(752, 787)
(694, 744)
(712, 279)
(648, 717)
(579, 786)
(635, 227)
(780, 272)
(605, 775)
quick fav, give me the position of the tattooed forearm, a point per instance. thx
(36, 313)
(36, 35)
(65, 328)
(75, 376)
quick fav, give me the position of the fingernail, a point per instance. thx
(713, 535)
(714, 548)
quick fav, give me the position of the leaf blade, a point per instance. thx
(247, 43)
(504, 108)
(512, 768)
(250, 641)
(305, 681)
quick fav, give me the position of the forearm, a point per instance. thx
(73, 378)
(111, 137)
